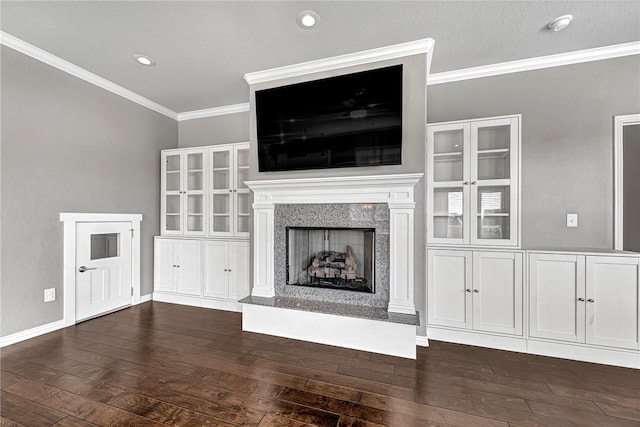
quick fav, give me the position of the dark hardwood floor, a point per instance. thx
(161, 364)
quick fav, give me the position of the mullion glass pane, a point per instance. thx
(448, 211)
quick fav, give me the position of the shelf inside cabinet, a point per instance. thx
(493, 214)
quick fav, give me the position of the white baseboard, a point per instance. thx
(145, 298)
(31, 333)
(584, 353)
(196, 301)
(422, 341)
(518, 344)
(377, 336)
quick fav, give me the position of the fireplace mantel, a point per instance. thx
(397, 191)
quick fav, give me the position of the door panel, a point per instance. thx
(189, 267)
(448, 288)
(497, 292)
(216, 279)
(238, 270)
(557, 298)
(103, 268)
(612, 301)
(164, 275)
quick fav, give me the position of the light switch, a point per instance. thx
(572, 220)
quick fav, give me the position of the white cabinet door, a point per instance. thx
(171, 193)
(497, 292)
(216, 280)
(557, 297)
(164, 273)
(189, 267)
(195, 178)
(612, 301)
(238, 270)
(449, 288)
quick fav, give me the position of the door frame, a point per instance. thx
(618, 138)
(70, 221)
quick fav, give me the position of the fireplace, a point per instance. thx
(333, 258)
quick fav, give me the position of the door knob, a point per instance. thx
(82, 269)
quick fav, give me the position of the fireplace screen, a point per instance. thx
(336, 258)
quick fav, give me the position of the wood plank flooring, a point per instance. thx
(160, 364)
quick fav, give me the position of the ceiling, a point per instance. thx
(203, 48)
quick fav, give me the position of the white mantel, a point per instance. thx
(397, 191)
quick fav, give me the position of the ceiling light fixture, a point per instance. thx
(308, 19)
(560, 23)
(145, 60)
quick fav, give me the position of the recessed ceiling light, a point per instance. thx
(308, 19)
(560, 23)
(144, 60)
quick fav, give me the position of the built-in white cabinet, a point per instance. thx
(183, 196)
(230, 198)
(203, 191)
(201, 271)
(475, 290)
(226, 269)
(178, 266)
(473, 174)
(585, 299)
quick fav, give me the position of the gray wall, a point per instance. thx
(631, 184)
(413, 150)
(567, 141)
(214, 130)
(68, 146)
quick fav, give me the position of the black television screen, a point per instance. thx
(344, 121)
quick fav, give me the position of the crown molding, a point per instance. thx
(41, 55)
(216, 111)
(537, 63)
(364, 57)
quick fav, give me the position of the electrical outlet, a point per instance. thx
(49, 294)
(572, 220)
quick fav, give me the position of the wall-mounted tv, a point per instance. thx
(344, 121)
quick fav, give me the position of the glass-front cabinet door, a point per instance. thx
(182, 189)
(241, 190)
(171, 203)
(221, 191)
(448, 176)
(230, 197)
(195, 223)
(472, 182)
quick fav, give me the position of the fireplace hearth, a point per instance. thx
(331, 258)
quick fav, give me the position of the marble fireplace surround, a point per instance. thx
(397, 191)
(345, 215)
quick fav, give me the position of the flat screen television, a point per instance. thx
(344, 121)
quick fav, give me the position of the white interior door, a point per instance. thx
(103, 268)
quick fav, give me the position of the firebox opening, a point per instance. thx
(334, 258)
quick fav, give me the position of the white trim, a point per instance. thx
(198, 301)
(70, 221)
(422, 341)
(536, 63)
(211, 112)
(395, 339)
(146, 298)
(342, 61)
(618, 210)
(31, 333)
(59, 63)
(500, 342)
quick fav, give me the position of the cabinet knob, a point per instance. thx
(465, 183)
(473, 183)
(580, 299)
(178, 266)
(468, 290)
(591, 300)
(477, 291)
(230, 191)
